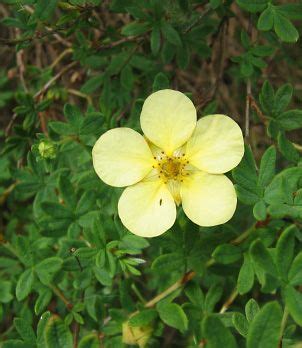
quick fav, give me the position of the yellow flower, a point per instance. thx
(181, 160)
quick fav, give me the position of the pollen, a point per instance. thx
(172, 167)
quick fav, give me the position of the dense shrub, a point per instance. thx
(71, 273)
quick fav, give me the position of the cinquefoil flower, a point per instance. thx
(180, 161)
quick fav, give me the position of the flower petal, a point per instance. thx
(122, 157)
(216, 145)
(208, 199)
(168, 119)
(147, 209)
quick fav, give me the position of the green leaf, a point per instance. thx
(212, 297)
(195, 294)
(291, 11)
(135, 28)
(155, 40)
(259, 210)
(169, 262)
(45, 9)
(173, 315)
(263, 258)
(251, 309)
(56, 210)
(246, 276)
(293, 301)
(287, 148)
(143, 318)
(216, 334)
(267, 97)
(266, 19)
(61, 128)
(92, 84)
(282, 98)
(47, 268)
(89, 341)
(295, 272)
(25, 284)
(265, 328)
(41, 328)
(5, 291)
(42, 301)
(92, 123)
(285, 250)
(56, 334)
(25, 331)
(284, 28)
(240, 323)
(161, 81)
(170, 34)
(267, 167)
(226, 253)
(290, 120)
(73, 115)
(67, 192)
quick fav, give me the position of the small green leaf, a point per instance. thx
(216, 334)
(252, 6)
(47, 268)
(240, 323)
(246, 276)
(56, 334)
(284, 28)
(265, 328)
(173, 315)
(290, 120)
(24, 284)
(155, 40)
(5, 291)
(259, 210)
(45, 9)
(251, 309)
(226, 253)
(212, 297)
(282, 98)
(135, 28)
(42, 301)
(295, 272)
(267, 97)
(266, 19)
(161, 81)
(293, 300)
(143, 318)
(25, 330)
(285, 250)
(171, 34)
(287, 148)
(263, 258)
(89, 341)
(267, 167)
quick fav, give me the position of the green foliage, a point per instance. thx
(71, 274)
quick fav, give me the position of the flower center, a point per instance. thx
(171, 167)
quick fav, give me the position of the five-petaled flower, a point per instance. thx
(180, 160)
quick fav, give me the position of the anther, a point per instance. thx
(154, 157)
(162, 152)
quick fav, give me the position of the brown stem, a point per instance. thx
(59, 293)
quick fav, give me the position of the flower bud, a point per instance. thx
(47, 149)
(136, 335)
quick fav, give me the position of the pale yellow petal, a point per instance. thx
(216, 145)
(147, 209)
(208, 199)
(168, 119)
(122, 157)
